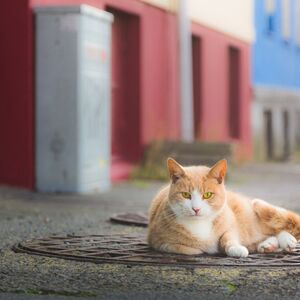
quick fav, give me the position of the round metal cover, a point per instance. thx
(137, 219)
(133, 250)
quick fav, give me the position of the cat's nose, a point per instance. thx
(196, 210)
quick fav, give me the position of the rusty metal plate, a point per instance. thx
(133, 250)
(136, 219)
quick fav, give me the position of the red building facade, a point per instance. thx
(144, 45)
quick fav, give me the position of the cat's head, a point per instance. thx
(197, 192)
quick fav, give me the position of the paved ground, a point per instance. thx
(26, 215)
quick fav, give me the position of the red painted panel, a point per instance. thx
(16, 105)
(160, 111)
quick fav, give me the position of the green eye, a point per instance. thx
(207, 195)
(186, 195)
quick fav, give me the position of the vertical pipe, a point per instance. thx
(185, 69)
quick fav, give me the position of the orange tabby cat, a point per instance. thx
(195, 214)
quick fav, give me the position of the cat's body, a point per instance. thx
(224, 222)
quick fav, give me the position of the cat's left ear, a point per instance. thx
(218, 171)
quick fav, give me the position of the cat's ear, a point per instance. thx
(218, 171)
(175, 169)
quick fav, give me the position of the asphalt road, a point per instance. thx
(25, 215)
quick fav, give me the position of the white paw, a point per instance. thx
(286, 241)
(269, 245)
(237, 251)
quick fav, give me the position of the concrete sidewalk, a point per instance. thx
(24, 215)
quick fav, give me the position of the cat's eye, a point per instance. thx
(207, 195)
(186, 195)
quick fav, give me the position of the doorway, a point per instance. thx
(125, 108)
(197, 84)
(286, 135)
(268, 134)
(234, 92)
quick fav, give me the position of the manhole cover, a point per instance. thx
(133, 250)
(137, 219)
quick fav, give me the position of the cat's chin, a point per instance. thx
(196, 216)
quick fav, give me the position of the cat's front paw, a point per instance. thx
(237, 251)
(286, 241)
(269, 245)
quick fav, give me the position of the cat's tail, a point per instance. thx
(277, 219)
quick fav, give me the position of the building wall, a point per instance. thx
(276, 78)
(231, 17)
(158, 65)
(169, 5)
(276, 59)
(16, 94)
(215, 89)
(159, 84)
(276, 101)
(218, 15)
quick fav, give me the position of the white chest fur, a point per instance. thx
(202, 230)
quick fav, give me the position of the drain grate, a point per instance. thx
(137, 219)
(133, 250)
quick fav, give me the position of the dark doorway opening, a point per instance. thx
(298, 131)
(125, 109)
(286, 134)
(268, 134)
(197, 84)
(234, 92)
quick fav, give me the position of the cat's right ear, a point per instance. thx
(175, 169)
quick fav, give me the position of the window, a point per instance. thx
(270, 6)
(285, 19)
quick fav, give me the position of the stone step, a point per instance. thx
(195, 160)
(197, 153)
(197, 148)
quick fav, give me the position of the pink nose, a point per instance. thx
(196, 210)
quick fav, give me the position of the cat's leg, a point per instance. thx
(278, 219)
(283, 241)
(231, 245)
(269, 245)
(287, 242)
(179, 249)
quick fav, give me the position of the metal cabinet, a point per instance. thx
(73, 49)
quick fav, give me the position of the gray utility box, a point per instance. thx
(73, 46)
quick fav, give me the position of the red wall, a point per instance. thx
(16, 94)
(215, 89)
(158, 65)
(159, 85)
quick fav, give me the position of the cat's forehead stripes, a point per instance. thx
(194, 180)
